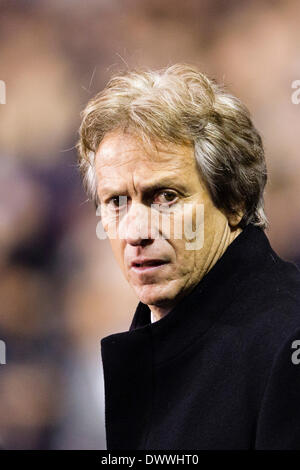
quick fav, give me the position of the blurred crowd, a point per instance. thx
(61, 290)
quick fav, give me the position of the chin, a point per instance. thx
(154, 295)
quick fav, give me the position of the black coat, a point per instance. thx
(217, 371)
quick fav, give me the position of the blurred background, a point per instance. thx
(61, 290)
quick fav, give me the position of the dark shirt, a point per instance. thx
(217, 371)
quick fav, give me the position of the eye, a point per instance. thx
(117, 202)
(166, 197)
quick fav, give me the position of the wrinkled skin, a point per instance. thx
(124, 166)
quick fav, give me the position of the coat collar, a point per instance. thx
(199, 310)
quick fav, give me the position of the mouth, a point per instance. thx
(148, 266)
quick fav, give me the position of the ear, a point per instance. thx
(234, 219)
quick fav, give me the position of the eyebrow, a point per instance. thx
(148, 188)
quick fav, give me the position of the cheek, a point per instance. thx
(196, 218)
(188, 223)
(117, 249)
(185, 259)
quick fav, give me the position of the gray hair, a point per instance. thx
(179, 104)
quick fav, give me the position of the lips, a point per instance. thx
(147, 263)
(142, 265)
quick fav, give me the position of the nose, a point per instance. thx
(135, 226)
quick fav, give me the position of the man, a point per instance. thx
(210, 360)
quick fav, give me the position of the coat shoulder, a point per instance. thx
(267, 306)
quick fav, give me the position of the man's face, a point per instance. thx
(165, 175)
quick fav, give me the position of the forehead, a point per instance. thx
(120, 152)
